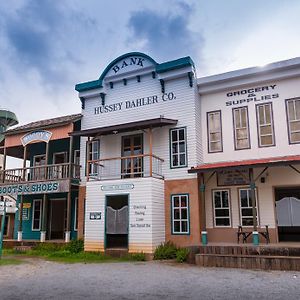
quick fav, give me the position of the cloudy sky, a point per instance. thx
(47, 46)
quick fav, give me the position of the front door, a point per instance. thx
(288, 214)
(39, 173)
(132, 159)
(60, 171)
(116, 221)
(57, 218)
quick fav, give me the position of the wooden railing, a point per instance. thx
(143, 165)
(40, 173)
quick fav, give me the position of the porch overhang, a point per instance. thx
(251, 163)
(131, 126)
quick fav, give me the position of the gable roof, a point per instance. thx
(47, 123)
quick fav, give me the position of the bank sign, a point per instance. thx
(35, 188)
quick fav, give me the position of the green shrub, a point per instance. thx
(182, 255)
(136, 256)
(45, 248)
(75, 246)
(165, 251)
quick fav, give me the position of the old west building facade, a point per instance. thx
(45, 187)
(171, 157)
(166, 156)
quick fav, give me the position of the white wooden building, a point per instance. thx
(166, 156)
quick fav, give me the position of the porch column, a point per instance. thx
(45, 200)
(203, 212)
(69, 198)
(150, 152)
(255, 234)
(20, 229)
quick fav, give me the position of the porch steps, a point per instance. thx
(116, 252)
(249, 257)
(22, 248)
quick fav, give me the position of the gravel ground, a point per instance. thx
(39, 279)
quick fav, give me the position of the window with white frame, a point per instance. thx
(76, 214)
(36, 214)
(93, 156)
(180, 214)
(214, 128)
(246, 211)
(293, 116)
(265, 125)
(178, 147)
(221, 201)
(241, 128)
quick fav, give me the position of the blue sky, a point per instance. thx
(47, 46)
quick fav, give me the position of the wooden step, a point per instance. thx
(116, 252)
(262, 262)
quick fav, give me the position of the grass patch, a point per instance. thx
(168, 250)
(4, 261)
(71, 253)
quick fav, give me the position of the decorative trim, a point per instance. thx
(111, 85)
(82, 99)
(125, 81)
(102, 95)
(191, 77)
(162, 83)
(138, 78)
(153, 75)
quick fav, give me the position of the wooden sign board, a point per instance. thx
(233, 177)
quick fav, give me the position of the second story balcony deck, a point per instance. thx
(136, 166)
(40, 173)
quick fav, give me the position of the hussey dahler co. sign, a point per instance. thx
(250, 95)
(36, 136)
(34, 188)
(129, 104)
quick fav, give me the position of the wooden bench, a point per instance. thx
(246, 233)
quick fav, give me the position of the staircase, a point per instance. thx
(249, 257)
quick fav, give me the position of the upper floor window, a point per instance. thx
(293, 116)
(241, 128)
(214, 128)
(265, 125)
(93, 156)
(178, 147)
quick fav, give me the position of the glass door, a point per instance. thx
(132, 159)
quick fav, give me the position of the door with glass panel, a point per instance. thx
(132, 159)
(39, 173)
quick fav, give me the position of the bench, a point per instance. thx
(246, 233)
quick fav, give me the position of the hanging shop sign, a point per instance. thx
(25, 214)
(233, 177)
(254, 94)
(95, 215)
(35, 188)
(117, 187)
(36, 136)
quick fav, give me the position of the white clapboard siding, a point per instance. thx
(148, 192)
(286, 89)
(182, 109)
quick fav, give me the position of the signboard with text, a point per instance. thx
(233, 177)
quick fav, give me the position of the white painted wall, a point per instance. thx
(288, 88)
(148, 192)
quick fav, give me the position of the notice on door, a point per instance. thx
(139, 217)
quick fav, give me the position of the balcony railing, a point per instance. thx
(40, 173)
(144, 165)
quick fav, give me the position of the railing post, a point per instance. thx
(150, 151)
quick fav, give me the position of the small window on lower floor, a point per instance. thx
(180, 214)
(36, 214)
(246, 211)
(221, 202)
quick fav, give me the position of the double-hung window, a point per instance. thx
(178, 147)
(265, 125)
(36, 215)
(293, 116)
(246, 211)
(241, 128)
(221, 203)
(93, 157)
(214, 128)
(180, 214)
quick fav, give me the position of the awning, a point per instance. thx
(251, 163)
(138, 125)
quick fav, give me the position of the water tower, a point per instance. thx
(7, 119)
